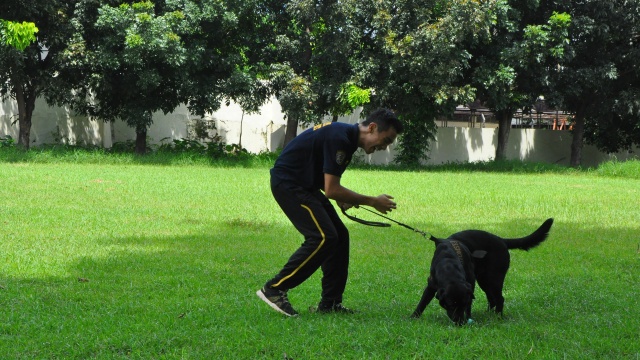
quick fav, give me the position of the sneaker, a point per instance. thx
(278, 300)
(335, 308)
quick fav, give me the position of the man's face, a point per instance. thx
(377, 140)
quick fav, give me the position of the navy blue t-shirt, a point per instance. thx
(325, 148)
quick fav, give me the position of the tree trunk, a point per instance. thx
(141, 140)
(26, 103)
(578, 139)
(241, 121)
(504, 127)
(291, 132)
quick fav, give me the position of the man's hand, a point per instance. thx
(384, 204)
(347, 199)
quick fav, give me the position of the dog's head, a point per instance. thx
(456, 299)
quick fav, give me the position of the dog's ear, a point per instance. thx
(436, 240)
(479, 254)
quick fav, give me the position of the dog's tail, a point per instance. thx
(532, 240)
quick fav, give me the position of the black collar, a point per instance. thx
(456, 247)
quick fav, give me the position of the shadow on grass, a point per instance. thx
(144, 297)
(84, 155)
(194, 296)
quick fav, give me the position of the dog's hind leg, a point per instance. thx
(492, 287)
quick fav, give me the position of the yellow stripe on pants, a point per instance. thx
(312, 254)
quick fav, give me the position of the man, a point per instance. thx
(305, 176)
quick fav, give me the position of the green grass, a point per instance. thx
(121, 257)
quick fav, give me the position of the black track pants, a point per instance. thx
(326, 241)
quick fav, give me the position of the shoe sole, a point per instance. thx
(273, 305)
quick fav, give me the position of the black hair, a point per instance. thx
(384, 118)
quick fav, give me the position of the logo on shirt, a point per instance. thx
(320, 126)
(341, 156)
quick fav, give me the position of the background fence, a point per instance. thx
(265, 132)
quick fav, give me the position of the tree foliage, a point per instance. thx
(129, 60)
(17, 35)
(132, 60)
(309, 47)
(222, 62)
(599, 80)
(119, 59)
(413, 53)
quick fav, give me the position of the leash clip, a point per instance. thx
(424, 234)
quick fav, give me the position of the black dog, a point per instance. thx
(477, 256)
(452, 280)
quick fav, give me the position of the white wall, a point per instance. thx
(535, 145)
(49, 123)
(265, 132)
(255, 132)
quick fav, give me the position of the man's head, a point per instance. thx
(379, 130)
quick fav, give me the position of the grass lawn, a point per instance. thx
(128, 260)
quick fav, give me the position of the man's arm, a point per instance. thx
(333, 190)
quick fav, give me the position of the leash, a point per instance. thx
(364, 222)
(375, 223)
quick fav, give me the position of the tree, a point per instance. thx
(413, 53)
(130, 62)
(223, 64)
(334, 40)
(510, 72)
(16, 36)
(27, 72)
(599, 80)
(309, 51)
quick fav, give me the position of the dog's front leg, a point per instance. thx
(473, 297)
(427, 296)
(469, 310)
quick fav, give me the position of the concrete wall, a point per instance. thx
(255, 132)
(464, 144)
(265, 132)
(535, 145)
(51, 125)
